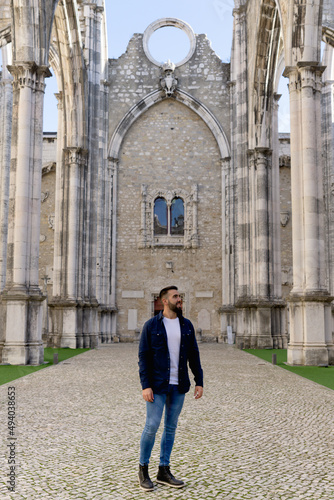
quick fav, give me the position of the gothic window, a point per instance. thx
(168, 218)
(160, 216)
(177, 216)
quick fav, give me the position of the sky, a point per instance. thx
(124, 18)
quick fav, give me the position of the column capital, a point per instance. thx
(59, 96)
(239, 13)
(29, 74)
(114, 160)
(311, 76)
(259, 152)
(303, 64)
(76, 156)
(262, 157)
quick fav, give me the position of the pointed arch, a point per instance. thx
(157, 96)
(266, 62)
(67, 61)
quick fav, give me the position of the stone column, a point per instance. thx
(194, 236)
(227, 309)
(76, 160)
(93, 15)
(22, 296)
(275, 206)
(241, 139)
(58, 255)
(243, 208)
(114, 167)
(262, 159)
(6, 110)
(279, 314)
(257, 303)
(76, 164)
(104, 223)
(310, 336)
(327, 133)
(143, 238)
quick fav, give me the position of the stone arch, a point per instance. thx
(266, 63)
(68, 64)
(157, 96)
(328, 34)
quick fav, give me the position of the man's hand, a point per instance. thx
(148, 395)
(198, 392)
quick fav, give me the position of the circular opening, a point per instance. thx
(169, 42)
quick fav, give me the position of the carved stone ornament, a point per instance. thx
(146, 237)
(168, 81)
(44, 196)
(285, 216)
(51, 221)
(49, 167)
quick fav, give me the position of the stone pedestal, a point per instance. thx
(310, 326)
(23, 345)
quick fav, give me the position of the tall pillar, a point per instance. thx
(311, 341)
(22, 296)
(327, 134)
(243, 196)
(6, 110)
(227, 309)
(259, 302)
(241, 139)
(65, 305)
(263, 164)
(279, 313)
(103, 292)
(114, 167)
(58, 277)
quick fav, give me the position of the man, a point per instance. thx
(167, 344)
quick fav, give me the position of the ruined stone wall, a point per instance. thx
(204, 76)
(169, 147)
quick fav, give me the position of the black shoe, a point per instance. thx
(144, 479)
(166, 477)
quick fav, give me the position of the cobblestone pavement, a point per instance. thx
(259, 432)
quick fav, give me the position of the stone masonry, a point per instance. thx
(169, 147)
(258, 433)
(166, 172)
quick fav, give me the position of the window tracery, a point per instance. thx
(168, 218)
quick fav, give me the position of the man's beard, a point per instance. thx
(176, 308)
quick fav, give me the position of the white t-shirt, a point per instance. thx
(173, 340)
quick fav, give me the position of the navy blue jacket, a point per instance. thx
(154, 361)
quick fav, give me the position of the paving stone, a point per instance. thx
(259, 432)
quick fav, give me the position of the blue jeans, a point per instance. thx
(172, 402)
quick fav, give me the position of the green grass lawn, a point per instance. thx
(12, 372)
(319, 374)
